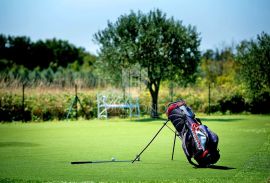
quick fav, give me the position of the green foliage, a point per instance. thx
(44, 63)
(219, 67)
(21, 50)
(137, 49)
(48, 106)
(233, 104)
(74, 73)
(254, 57)
(260, 104)
(163, 47)
(10, 108)
(53, 104)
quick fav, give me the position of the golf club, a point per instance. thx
(104, 161)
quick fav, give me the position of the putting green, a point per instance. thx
(38, 152)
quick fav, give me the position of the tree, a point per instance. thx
(57, 52)
(218, 66)
(254, 57)
(162, 46)
(21, 50)
(3, 42)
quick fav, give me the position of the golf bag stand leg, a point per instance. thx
(175, 134)
(138, 156)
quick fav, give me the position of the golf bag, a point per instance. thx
(198, 141)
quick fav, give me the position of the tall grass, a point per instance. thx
(52, 102)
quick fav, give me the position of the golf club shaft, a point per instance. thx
(150, 142)
(101, 161)
(173, 145)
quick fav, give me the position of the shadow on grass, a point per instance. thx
(145, 120)
(221, 119)
(18, 144)
(218, 167)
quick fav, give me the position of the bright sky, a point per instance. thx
(220, 22)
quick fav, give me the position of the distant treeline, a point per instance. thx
(21, 50)
(44, 62)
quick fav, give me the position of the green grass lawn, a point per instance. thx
(33, 152)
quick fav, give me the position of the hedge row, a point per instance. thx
(46, 106)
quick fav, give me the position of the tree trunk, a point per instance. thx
(153, 87)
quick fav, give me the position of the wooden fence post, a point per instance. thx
(23, 115)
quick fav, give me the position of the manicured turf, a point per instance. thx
(43, 151)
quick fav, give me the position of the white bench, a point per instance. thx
(103, 104)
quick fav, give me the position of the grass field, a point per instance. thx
(42, 152)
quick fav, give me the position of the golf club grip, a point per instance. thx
(81, 162)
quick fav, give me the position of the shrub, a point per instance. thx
(10, 108)
(44, 106)
(260, 104)
(234, 104)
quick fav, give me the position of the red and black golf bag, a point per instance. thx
(198, 141)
